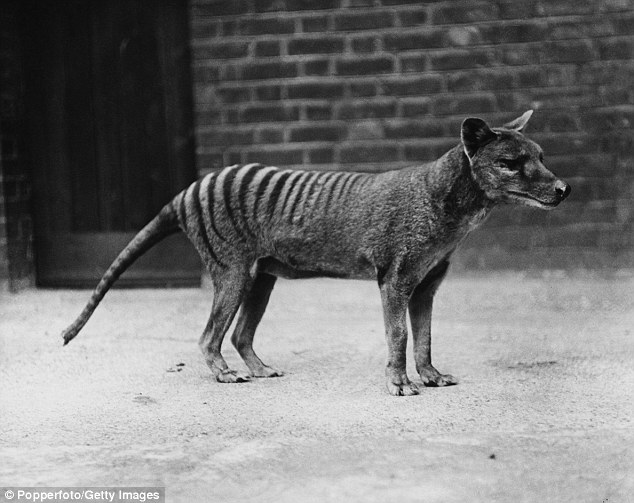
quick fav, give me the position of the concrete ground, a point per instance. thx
(543, 411)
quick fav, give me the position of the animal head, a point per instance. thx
(509, 167)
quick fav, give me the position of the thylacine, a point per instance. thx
(253, 223)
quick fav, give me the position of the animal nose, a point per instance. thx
(562, 189)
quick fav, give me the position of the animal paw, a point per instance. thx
(402, 388)
(232, 376)
(266, 371)
(432, 378)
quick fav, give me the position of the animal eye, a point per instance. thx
(509, 163)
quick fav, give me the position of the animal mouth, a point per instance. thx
(524, 195)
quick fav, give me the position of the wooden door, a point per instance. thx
(110, 135)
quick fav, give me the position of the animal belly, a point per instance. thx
(294, 269)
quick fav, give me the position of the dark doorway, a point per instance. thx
(110, 135)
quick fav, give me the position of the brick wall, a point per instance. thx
(378, 84)
(16, 230)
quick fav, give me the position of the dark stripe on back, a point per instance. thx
(210, 204)
(331, 191)
(264, 183)
(226, 192)
(349, 177)
(242, 195)
(200, 222)
(355, 180)
(308, 202)
(275, 193)
(306, 180)
(182, 211)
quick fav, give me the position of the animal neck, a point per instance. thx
(452, 183)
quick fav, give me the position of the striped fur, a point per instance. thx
(253, 223)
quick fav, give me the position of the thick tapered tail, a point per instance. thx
(164, 224)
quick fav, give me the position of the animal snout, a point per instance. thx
(562, 189)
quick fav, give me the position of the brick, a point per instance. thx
(221, 8)
(420, 40)
(399, 2)
(222, 50)
(462, 36)
(404, 86)
(474, 103)
(269, 6)
(267, 48)
(581, 29)
(315, 24)
(312, 4)
(319, 68)
(624, 24)
(269, 135)
(366, 130)
(362, 89)
(268, 93)
(567, 51)
(428, 150)
(608, 119)
(316, 90)
(321, 156)
(555, 76)
(365, 66)
(413, 129)
(204, 28)
(414, 64)
(275, 157)
(274, 70)
(562, 144)
(232, 158)
(368, 153)
(234, 94)
(367, 110)
(617, 142)
(365, 44)
(364, 20)
(617, 48)
(481, 80)
(266, 26)
(565, 7)
(224, 137)
(316, 133)
(584, 165)
(415, 107)
(317, 112)
(460, 13)
(460, 59)
(520, 55)
(268, 113)
(562, 122)
(531, 31)
(326, 45)
(409, 18)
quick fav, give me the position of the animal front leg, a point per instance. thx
(395, 318)
(420, 308)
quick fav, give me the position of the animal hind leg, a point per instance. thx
(229, 290)
(251, 312)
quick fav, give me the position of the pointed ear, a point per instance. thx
(519, 123)
(475, 134)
